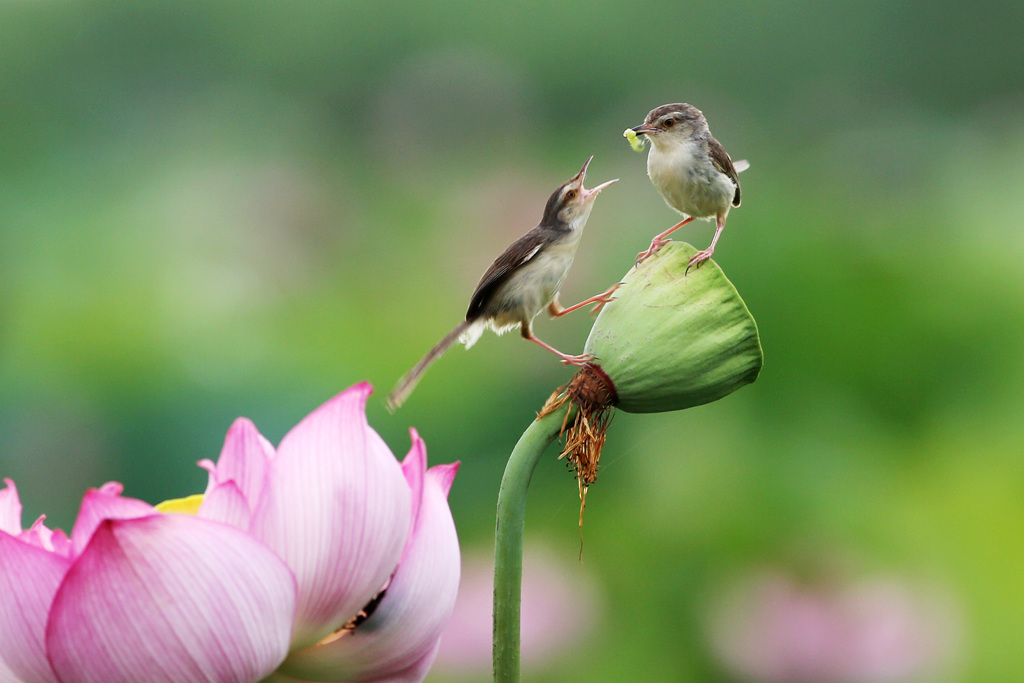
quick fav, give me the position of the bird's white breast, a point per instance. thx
(689, 182)
(535, 284)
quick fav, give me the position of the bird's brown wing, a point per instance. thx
(518, 254)
(720, 158)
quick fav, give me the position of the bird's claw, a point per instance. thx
(651, 251)
(578, 361)
(605, 298)
(698, 259)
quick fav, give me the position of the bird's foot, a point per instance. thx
(605, 298)
(698, 259)
(578, 361)
(656, 244)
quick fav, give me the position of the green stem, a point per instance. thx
(508, 540)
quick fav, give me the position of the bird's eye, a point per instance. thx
(571, 194)
(669, 122)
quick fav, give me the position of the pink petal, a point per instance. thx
(414, 467)
(243, 460)
(52, 540)
(336, 509)
(406, 625)
(171, 598)
(10, 509)
(225, 503)
(415, 673)
(444, 475)
(29, 577)
(100, 504)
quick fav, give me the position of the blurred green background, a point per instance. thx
(210, 210)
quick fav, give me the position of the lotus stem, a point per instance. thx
(508, 539)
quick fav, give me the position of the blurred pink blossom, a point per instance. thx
(560, 605)
(771, 627)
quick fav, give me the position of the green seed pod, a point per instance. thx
(672, 340)
(669, 340)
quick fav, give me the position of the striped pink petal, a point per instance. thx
(10, 509)
(29, 578)
(243, 460)
(41, 536)
(226, 503)
(415, 672)
(100, 504)
(171, 598)
(404, 628)
(336, 509)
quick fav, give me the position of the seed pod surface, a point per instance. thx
(672, 340)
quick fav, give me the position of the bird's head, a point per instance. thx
(672, 124)
(571, 203)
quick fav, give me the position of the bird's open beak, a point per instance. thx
(592, 192)
(583, 171)
(582, 175)
(644, 129)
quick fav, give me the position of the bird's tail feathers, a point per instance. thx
(470, 334)
(408, 382)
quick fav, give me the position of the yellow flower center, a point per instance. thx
(184, 506)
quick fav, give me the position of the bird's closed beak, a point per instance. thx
(644, 129)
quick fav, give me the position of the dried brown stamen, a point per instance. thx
(593, 396)
(362, 615)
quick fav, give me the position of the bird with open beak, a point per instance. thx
(524, 280)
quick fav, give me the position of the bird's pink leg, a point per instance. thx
(556, 310)
(660, 240)
(701, 256)
(580, 360)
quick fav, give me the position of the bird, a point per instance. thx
(691, 170)
(523, 280)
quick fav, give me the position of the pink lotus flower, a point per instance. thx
(323, 560)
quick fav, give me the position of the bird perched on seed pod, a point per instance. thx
(690, 169)
(523, 281)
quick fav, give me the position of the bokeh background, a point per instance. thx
(210, 210)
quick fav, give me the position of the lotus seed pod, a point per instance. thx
(672, 340)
